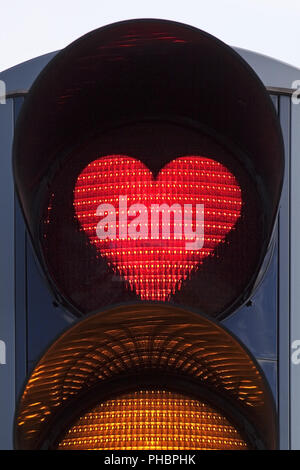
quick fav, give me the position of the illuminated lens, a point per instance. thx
(153, 420)
(155, 231)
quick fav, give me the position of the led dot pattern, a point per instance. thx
(156, 263)
(153, 419)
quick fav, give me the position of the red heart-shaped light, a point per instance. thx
(151, 256)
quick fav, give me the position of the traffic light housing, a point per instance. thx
(158, 110)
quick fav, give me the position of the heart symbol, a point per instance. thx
(117, 201)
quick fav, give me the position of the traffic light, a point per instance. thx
(148, 161)
(146, 376)
(164, 108)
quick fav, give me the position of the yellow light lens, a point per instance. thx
(146, 420)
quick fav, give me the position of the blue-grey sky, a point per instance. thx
(33, 27)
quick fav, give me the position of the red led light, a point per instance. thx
(116, 200)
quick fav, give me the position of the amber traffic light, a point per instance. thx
(145, 348)
(153, 420)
